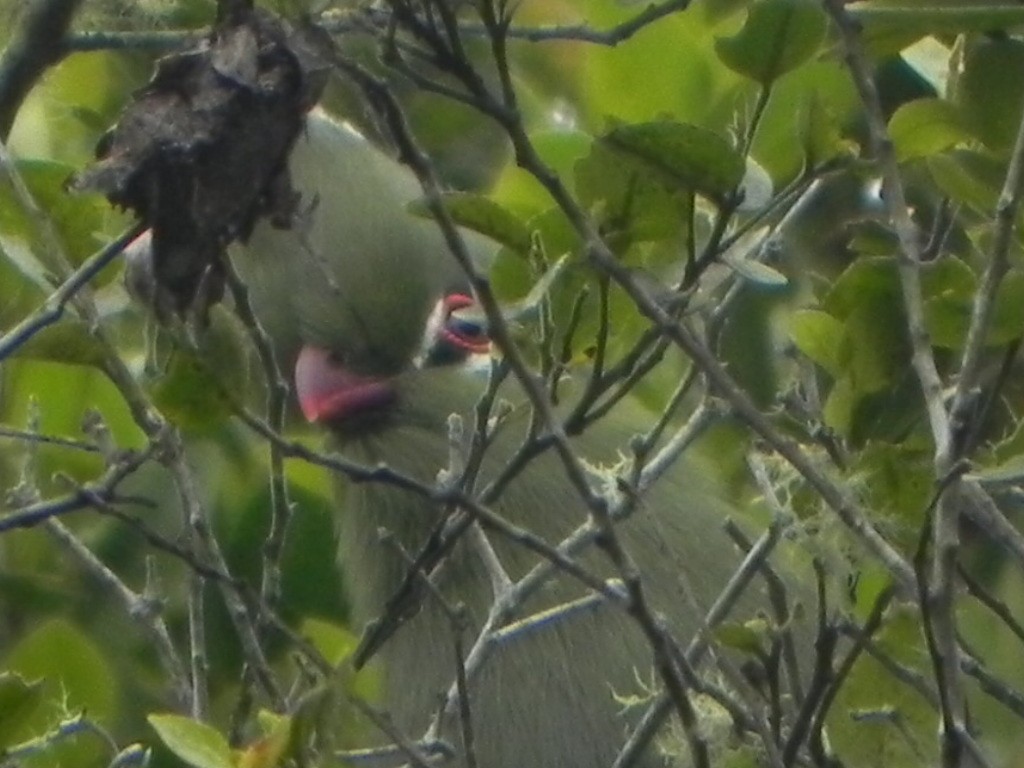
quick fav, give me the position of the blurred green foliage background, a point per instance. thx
(837, 312)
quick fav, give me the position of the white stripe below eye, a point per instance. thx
(431, 333)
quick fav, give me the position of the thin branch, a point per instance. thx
(909, 265)
(83, 497)
(990, 601)
(587, 34)
(910, 677)
(836, 497)
(277, 400)
(658, 710)
(151, 41)
(53, 308)
(871, 626)
(998, 264)
(28, 436)
(374, 19)
(139, 607)
(821, 677)
(34, 46)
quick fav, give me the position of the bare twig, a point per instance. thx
(34, 46)
(139, 607)
(28, 436)
(54, 307)
(998, 264)
(277, 400)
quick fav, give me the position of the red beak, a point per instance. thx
(328, 392)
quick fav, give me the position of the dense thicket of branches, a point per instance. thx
(789, 228)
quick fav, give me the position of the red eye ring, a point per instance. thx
(463, 335)
(454, 301)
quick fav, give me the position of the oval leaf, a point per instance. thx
(71, 666)
(745, 637)
(269, 751)
(968, 177)
(819, 336)
(692, 157)
(989, 95)
(778, 36)
(631, 204)
(892, 26)
(483, 215)
(18, 701)
(196, 743)
(754, 271)
(926, 126)
(334, 642)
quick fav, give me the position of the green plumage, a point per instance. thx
(547, 699)
(362, 285)
(356, 274)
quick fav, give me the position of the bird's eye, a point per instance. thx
(456, 329)
(463, 325)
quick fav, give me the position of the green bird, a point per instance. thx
(369, 314)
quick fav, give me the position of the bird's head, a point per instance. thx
(358, 294)
(332, 393)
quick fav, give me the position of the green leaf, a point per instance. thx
(67, 341)
(754, 271)
(520, 192)
(690, 156)
(673, 70)
(1008, 319)
(923, 127)
(891, 25)
(196, 743)
(512, 277)
(744, 257)
(744, 637)
(872, 237)
(483, 215)
(968, 177)
(896, 481)
(630, 203)
(868, 300)
(839, 407)
(80, 219)
(271, 749)
(878, 346)
(819, 336)
(24, 288)
(19, 700)
(877, 721)
(30, 271)
(71, 666)
(528, 305)
(820, 132)
(866, 280)
(948, 289)
(79, 222)
(778, 36)
(335, 643)
(990, 90)
(198, 387)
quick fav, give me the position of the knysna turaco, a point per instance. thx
(362, 301)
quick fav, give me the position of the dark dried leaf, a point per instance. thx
(200, 153)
